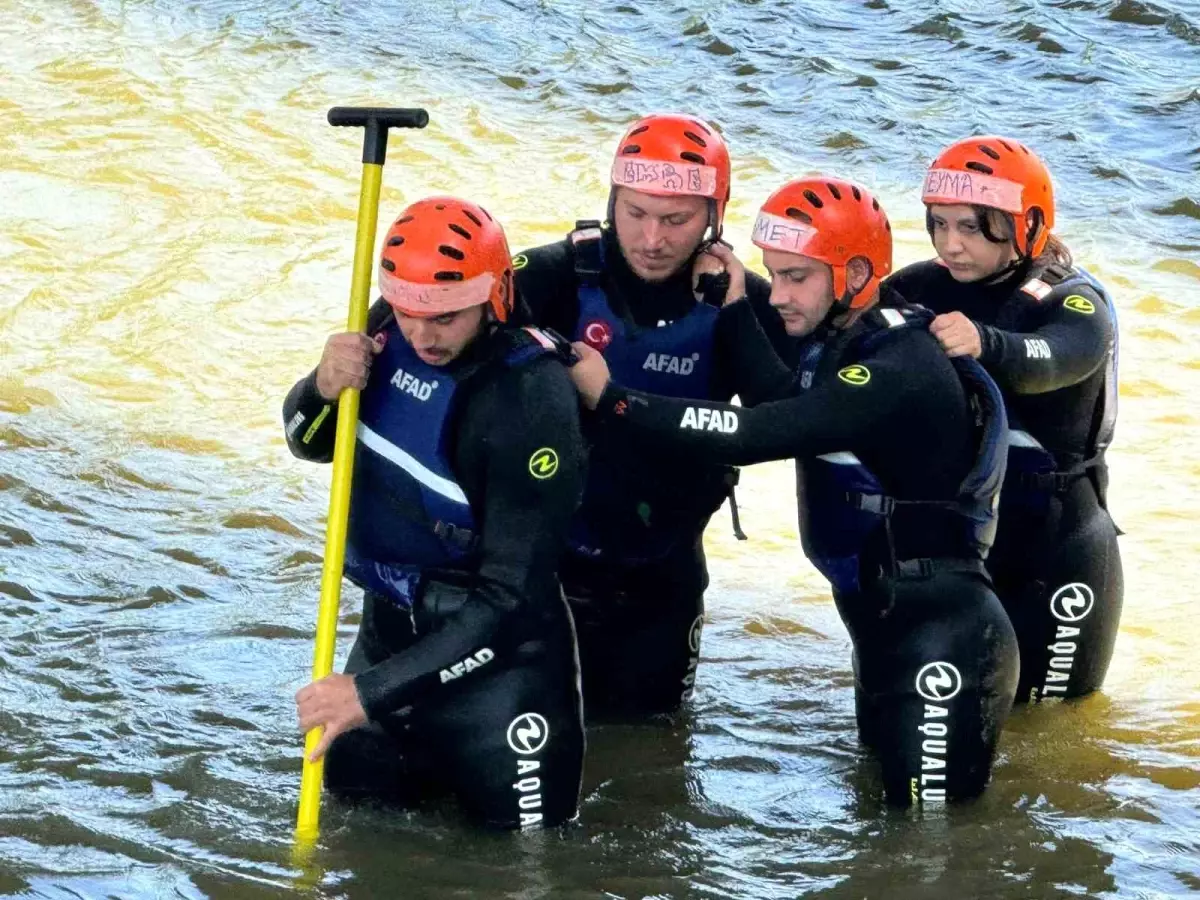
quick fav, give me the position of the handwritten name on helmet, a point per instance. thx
(670, 365)
(703, 419)
(654, 176)
(411, 384)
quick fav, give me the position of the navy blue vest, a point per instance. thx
(673, 360)
(1034, 475)
(842, 503)
(407, 512)
(634, 512)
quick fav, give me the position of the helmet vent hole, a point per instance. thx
(695, 138)
(814, 199)
(988, 151)
(462, 232)
(474, 218)
(887, 225)
(1007, 146)
(874, 204)
(856, 192)
(396, 241)
(403, 220)
(837, 195)
(799, 214)
(452, 252)
(388, 264)
(639, 130)
(980, 167)
(1024, 149)
(630, 149)
(692, 157)
(440, 207)
(447, 276)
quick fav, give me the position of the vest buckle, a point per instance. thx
(915, 568)
(586, 241)
(460, 538)
(878, 504)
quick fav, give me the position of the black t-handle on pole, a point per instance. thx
(377, 120)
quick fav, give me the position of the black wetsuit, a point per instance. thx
(462, 689)
(901, 409)
(639, 622)
(1056, 563)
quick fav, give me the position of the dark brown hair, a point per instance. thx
(997, 226)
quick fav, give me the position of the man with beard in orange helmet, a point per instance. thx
(899, 458)
(468, 467)
(642, 290)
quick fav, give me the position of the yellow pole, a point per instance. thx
(339, 500)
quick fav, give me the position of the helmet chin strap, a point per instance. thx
(1021, 259)
(842, 305)
(1017, 261)
(1004, 271)
(714, 235)
(839, 308)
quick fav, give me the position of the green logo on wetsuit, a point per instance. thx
(1080, 304)
(855, 375)
(519, 262)
(543, 464)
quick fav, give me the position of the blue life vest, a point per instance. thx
(1034, 475)
(842, 503)
(673, 360)
(408, 514)
(636, 509)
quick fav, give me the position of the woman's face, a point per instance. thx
(962, 245)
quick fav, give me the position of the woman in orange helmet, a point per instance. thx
(896, 487)
(468, 466)
(1007, 294)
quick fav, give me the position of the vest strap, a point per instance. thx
(879, 504)
(732, 477)
(1058, 482)
(463, 539)
(587, 240)
(927, 567)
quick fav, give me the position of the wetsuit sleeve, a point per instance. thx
(1069, 346)
(747, 361)
(533, 455)
(309, 420)
(546, 285)
(910, 283)
(835, 414)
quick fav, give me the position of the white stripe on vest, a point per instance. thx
(390, 451)
(1017, 438)
(841, 458)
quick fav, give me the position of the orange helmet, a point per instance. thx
(667, 155)
(831, 220)
(443, 255)
(998, 173)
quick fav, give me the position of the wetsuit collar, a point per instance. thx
(1016, 271)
